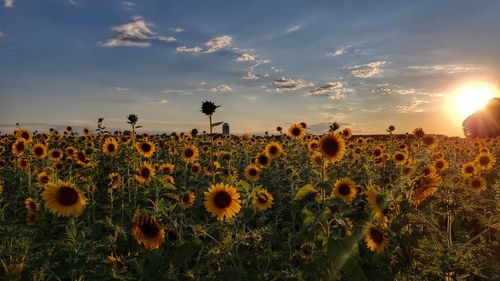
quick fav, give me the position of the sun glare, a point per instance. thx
(472, 97)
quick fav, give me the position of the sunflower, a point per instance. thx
(144, 173)
(346, 133)
(24, 134)
(344, 189)
(55, 154)
(263, 160)
(262, 200)
(147, 230)
(419, 133)
(18, 146)
(375, 239)
(31, 205)
(296, 132)
(485, 161)
(222, 201)
(81, 159)
(110, 147)
(426, 186)
(332, 146)
(274, 149)
(186, 199)
(306, 251)
(190, 153)
(317, 158)
(476, 183)
(469, 169)
(195, 169)
(145, 148)
(64, 199)
(31, 218)
(400, 157)
(429, 141)
(39, 151)
(440, 164)
(166, 168)
(252, 172)
(43, 179)
(115, 180)
(312, 145)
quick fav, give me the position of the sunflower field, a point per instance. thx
(99, 205)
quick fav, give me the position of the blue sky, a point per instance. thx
(364, 64)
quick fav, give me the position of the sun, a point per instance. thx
(472, 97)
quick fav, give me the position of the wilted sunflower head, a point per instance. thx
(132, 118)
(147, 230)
(263, 200)
(208, 107)
(375, 239)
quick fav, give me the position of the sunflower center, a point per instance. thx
(145, 172)
(469, 169)
(185, 198)
(400, 157)
(56, 154)
(222, 199)
(476, 183)
(149, 229)
(188, 153)
(262, 198)
(263, 160)
(377, 152)
(25, 135)
(376, 235)
(20, 146)
(111, 147)
(484, 160)
(146, 147)
(439, 165)
(44, 179)
(344, 189)
(67, 196)
(296, 132)
(330, 146)
(273, 150)
(252, 172)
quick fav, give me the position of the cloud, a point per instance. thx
(287, 84)
(222, 88)
(184, 49)
(134, 34)
(8, 3)
(333, 90)
(293, 28)
(245, 57)
(218, 43)
(253, 76)
(176, 92)
(257, 63)
(443, 68)
(414, 106)
(1, 34)
(122, 89)
(367, 70)
(340, 51)
(161, 101)
(127, 5)
(178, 30)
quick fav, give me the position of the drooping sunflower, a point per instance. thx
(296, 132)
(166, 168)
(419, 133)
(332, 146)
(115, 180)
(222, 201)
(306, 251)
(317, 158)
(476, 183)
(426, 186)
(274, 149)
(147, 230)
(186, 199)
(377, 206)
(469, 169)
(195, 169)
(145, 148)
(263, 160)
(375, 238)
(31, 205)
(64, 199)
(429, 141)
(400, 158)
(18, 146)
(252, 172)
(262, 200)
(344, 189)
(145, 173)
(485, 161)
(190, 153)
(43, 178)
(110, 147)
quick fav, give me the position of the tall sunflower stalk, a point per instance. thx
(208, 108)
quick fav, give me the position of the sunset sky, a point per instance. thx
(364, 64)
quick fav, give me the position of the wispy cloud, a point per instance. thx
(178, 30)
(127, 5)
(218, 43)
(222, 88)
(287, 84)
(333, 90)
(414, 106)
(245, 57)
(184, 49)
(134, 34)
(443, 68)
(253, 76)
(122, 89)
(1, 34)
(294, 28)
(340, 51)
(367, 70)
(8, 3)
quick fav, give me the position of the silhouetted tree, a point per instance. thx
(484, 122)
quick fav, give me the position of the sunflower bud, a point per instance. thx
(208, 107)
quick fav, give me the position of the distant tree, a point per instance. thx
(484, 122)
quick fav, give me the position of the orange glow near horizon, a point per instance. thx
(469, 98)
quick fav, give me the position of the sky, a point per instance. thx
(268, 63)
